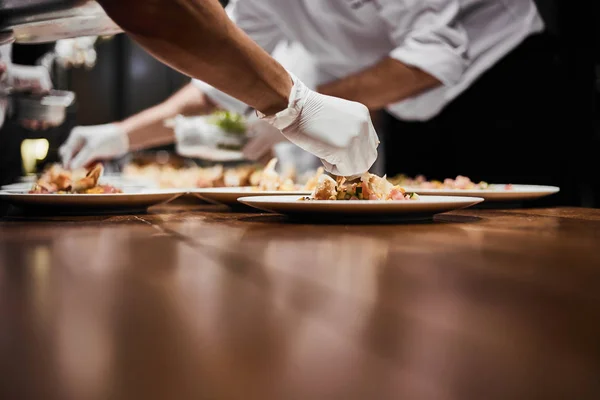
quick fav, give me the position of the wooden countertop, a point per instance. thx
(197, 303)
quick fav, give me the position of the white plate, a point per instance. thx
(360, 210)
(230, 195)
(127, 185)
(90, 202)
(496, 192)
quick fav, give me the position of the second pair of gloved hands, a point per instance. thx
(24, 78)
(339, 132)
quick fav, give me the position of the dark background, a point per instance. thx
(127, 80)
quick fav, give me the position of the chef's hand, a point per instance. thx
(76, 52)
(91, 143)
(338, 131)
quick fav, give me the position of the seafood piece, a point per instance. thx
(312, 182)
(368, 187)
(270, 180)
(90, 180)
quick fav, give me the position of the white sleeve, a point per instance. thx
(427, 36)
(254, 20)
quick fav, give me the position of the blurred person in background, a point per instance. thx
(17, 78)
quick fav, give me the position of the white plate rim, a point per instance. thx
(347, 203)
(248, 190)
(517, 189)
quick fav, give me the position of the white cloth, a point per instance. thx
(199, 137)
(454, 40)
(338, 131)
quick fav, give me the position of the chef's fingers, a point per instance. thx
(70, 148)
(83, 158)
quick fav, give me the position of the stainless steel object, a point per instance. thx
(38, 21)
(50, 108)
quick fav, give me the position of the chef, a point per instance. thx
(197, 38)
(430, 64)
(454, 75)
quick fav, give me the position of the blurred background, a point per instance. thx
(125, 80)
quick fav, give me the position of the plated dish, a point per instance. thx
(458, 183)
(62, 190)
(463, 186)
(60, 181)
(369, 198)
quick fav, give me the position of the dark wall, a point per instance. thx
(125, 81)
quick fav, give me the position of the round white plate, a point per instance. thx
(127, 185)
(230, 195)
(496, 192)
(90, 202)
(360, 210)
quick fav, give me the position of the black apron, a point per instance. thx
(509, 126)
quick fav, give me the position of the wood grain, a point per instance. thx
(195, 302)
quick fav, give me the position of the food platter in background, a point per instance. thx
(463, 186)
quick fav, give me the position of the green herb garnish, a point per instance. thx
(229, 121)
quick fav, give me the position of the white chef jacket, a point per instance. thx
(453, 40)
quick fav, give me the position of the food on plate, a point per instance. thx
(367, 187)
(59, 181)
(313, 181)
(270, 180)
(248, 175)
(460, 183)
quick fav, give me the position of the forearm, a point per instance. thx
(197, 38)
(387, 82)
(147, 128)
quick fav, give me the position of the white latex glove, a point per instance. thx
(90, 143)
(23, 78)
(198, 138)
(338, 131)
(76, 52)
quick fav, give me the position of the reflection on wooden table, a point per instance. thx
(195, 302)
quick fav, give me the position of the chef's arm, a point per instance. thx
(431, 50)
(387, 82)
(197, 38)
(147, 128)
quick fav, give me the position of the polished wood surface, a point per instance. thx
(194, 302)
